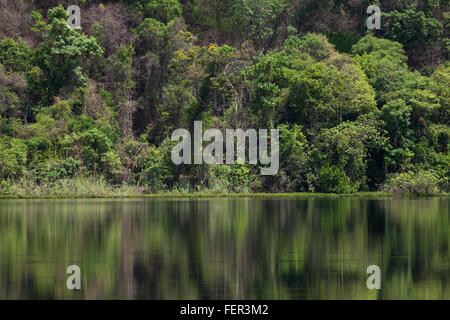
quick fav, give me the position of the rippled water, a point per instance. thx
(235, 248)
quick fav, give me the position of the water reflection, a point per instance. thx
(225, 248)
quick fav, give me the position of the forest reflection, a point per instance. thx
(225, 248)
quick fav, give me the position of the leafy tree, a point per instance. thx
(156, 44)
(294, 158)
(411, 27)
(153, 34)
(350, 145)
(332, 179)
(384, 63)
(15, 55)
(425, 105)
(380, 48)
(12, 95)
(121, 70)
(13, 157)
(212, 74)
(343, 41)
(95, 145)
(61, 53)
(148, 165)
(291, 86)
(419, 183)
(215, 14)
(162, 10)
(397, 117)
(261, 20)
(441, 87)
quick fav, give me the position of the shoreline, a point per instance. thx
(221, 195)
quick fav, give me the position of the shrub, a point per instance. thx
(162, 10)
(232, 178)
(13, 157)
(148, 165)
(56, 170)
(15, 55)
(333, 179)
(39, 148)
(97, 153)
(111, 166)
(313, 44)
(5, 188)
(418, 183)
(343, 41)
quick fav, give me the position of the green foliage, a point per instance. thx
(120, 66)
(83, 123)
(380, 48)
(15, 55)
(440, 138)
(39, 149)
(235, 178)
(96, 152)
(411, 27)
(396, 115)
(332, 179)
(59, 56)
(149, 166)
(12, 97)
(56, 170)
(350, 145)
(260, 20)
(111, 166)
(162, 10)
(13, 157)
(291, 87)
(293, 157)
(343, 41)
(212, 13)
(176, 99)
(441, 87)
(418, 183)
(210, 75)
(314, 45)
(153, 34)
(354, 111)
(151, 170)
(384, 63)
(8, 126)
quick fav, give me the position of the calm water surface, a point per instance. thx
(236, 248)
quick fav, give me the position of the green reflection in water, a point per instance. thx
(240, 248)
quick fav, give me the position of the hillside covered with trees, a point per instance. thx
(92, 110)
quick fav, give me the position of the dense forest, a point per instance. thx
(91, 110)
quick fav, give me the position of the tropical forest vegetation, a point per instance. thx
(91, 110)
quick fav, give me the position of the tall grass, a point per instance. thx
(91, 187)
(80, 186)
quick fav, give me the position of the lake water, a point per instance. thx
(225, 248)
